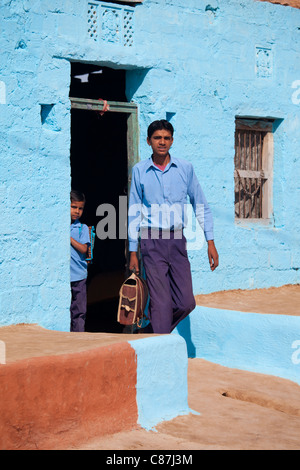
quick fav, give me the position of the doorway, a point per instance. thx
(103, 151)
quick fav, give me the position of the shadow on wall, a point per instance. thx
(263, 343)
(134, 79)
(184, 330)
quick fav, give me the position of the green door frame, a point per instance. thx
(132, 134)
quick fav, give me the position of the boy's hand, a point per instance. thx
(81, 247)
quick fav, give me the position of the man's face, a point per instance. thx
(161, 142)
(76, 210)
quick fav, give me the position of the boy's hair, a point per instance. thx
(77, 196)
(160, 125)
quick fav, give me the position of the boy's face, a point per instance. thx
(161, 142)
(76, 210)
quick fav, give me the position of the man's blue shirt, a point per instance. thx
(80, 233)
(153, 192)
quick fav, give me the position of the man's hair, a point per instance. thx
(160, 125)
(77, 196)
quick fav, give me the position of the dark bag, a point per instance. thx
(133, 300)
(90, 253)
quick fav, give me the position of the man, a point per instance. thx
(159, 190)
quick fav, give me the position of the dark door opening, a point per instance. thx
(99, 168)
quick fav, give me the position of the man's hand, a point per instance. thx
(213, 256)
(134, 262)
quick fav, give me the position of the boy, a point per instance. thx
(163, 181)
(80, 241)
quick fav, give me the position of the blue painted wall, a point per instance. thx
(161, 389)
(266, 344)
(193, 61)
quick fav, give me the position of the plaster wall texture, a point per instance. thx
(194, 62)
(161, 386)
(55, 401)
(64, 399)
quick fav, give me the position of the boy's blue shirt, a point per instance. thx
(78, 265)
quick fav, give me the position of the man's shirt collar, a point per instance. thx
(76, 222)
(151, 163)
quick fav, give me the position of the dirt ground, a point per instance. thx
(290, 3)
(283, 300)
(238, 410)
(235, 409)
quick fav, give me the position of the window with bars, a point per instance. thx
(253, 168)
